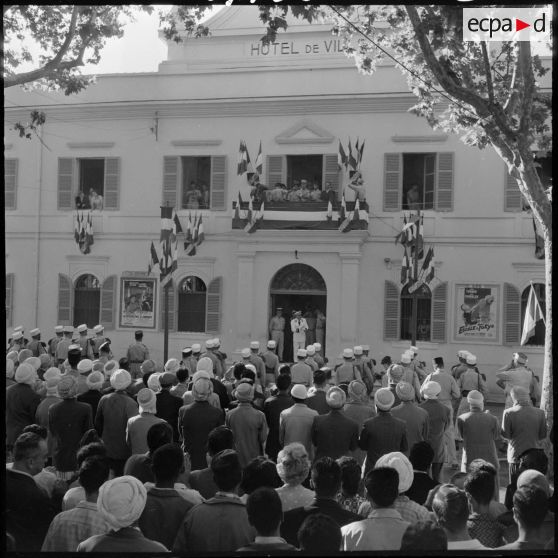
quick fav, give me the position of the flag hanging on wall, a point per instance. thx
(153, 259)
(259, 161)
(533, 313)
(165, 239)
(360, 150)
(243, 158)
(352, 160)
(405, 268)
(191, 237)
(342, 160)
(343, 208)
(427, 268)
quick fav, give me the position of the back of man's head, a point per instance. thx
(90, 450)
(41, 431)
(439, 361)
(382, 486)
(219, 439)
(283, 382)
(226, 469)
(74, 358)
(530, 506)
(249, 374)
(239, 370)
(182, 374)
(326, 477)
(424, 535)
(451, 508)
(93, 472)
(158, 435)
(265, 511)
(284, 369)
(534, 458)
(319, 534)
(319, 377)
(479, 485)
(421, 456)
(167, 463)
(138, 335)
(26, 446)
(259, 472)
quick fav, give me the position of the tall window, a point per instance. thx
(305, 167)
(91, 182)
(192, 298)
(196, 181)
(419, 177)
(87, 301)
(424, 297)
(538, 338)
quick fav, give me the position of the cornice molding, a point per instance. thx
(88, 259)
(529, 267)
(90, 144)
(420, 139)
(196, 143)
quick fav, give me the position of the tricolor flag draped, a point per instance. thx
(167, 261)
(153, 258)
(533, 313)
(255, 220)
(189, 243)
(83, 232)
(243, 159)
(352, 160)
(329, 211)
(360, 150)
(343, 208)
(237, 208)
(342, 160)
(405, 268)
(259, 161)
(427, 268)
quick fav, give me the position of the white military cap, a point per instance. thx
(310, 350)
(18, 328)
(471, 359)
(209, 344)
(196, 348)
(271, 344)
(358, 350)
(34, 332)
(245, 352)
(317, 346)
(301, 353)
(366, 347)
(255, 345)
(59, 329)
(68, 329)
(81, 328)
(17, 336)
(98, 328)
(413, 349)
(348, 353)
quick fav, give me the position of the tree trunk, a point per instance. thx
(546, 397)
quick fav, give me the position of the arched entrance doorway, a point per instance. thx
(299, 287)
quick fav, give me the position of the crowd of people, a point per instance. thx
(201, 455)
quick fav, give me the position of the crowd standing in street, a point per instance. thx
(208, 455)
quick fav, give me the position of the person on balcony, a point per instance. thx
(315, 192)
(95, 200)
(304, 192)
(258, 192)
(81, 201)
(413, 197)
(293, 194)
(193, 196)
(278, 193)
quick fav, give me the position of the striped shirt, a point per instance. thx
(71, 527)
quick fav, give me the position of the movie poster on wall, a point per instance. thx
(138, 298)
(476, 312)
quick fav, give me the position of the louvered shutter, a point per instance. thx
(172, 309)
(331, 172)
(275, 169)
(112, 183)
(213, 307)
(10, 183)
(444, 182)
(512, 195)
(391, 312)
(65, 183)
(512, 315)
(9, 299)
(64, 300)
(218, 196)
(108, 302)
(170, 181)
(439, 313)
(393, 167)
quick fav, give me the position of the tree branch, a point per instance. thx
(488, 73)
(513, 97)
(6, 8)
(54, 65)
(528, 87)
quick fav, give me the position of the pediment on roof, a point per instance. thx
(304, 132)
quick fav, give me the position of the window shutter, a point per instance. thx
(444, 186)
(331, 172)
(393, 175)
(65, 292)
(108, 302)
(218, 183)
(112, 183)
(213, 307)
(10, 183)
(172, 308)
(512, 194)
(391, 312)
(65, 183)
(512, 315)
(9, 298)
(275, 169)
(439, 313)
(170, 181)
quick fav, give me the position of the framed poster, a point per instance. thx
(476, 312)
(138, 302)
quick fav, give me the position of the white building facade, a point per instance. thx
(140, 140)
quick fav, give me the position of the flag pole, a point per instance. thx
(166, 338)
(415, 276)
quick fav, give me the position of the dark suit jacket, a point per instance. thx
(317, 401)
(28, 511)
(293, 519)
(21, 405)
(272, 411)
(168, 406)
(334, 434)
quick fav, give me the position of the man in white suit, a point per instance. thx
(299, 328)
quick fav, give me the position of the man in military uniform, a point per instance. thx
(277, 331)
(320, 360)
(309, 360)
(35, 345)
(416, 365)
(519, 375)
(52, 344)
(299, 328)
(271, 362)
(188, 361)
(220, 354)
(98, 340)
(196, 351)
(301, 373)
(15, 343)
(83, 342)
(456, 371)
(64, 344)
(210, 353)
(105, 354)
(137, 353)
(362, 363)
(257, 361)
(346, 372)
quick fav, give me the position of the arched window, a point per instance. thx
(87, 301)
(538, 338)
(192, 299)
(424, 298)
